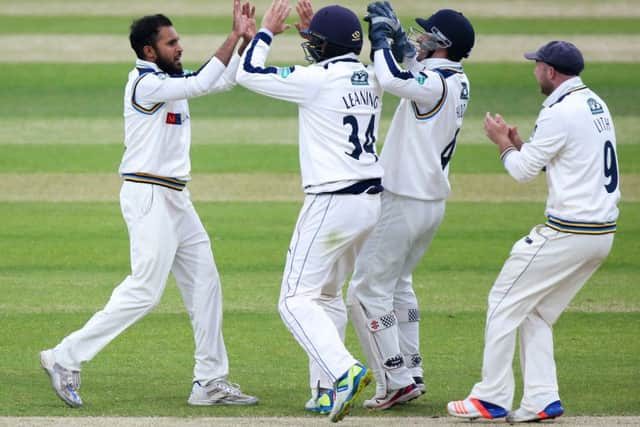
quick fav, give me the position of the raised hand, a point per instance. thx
(239, 20)
(512, 131)
(382, 13)
(402, 47)
(274, 17)
(249, 12)
(305, 13)
(383, 23)
(496, 128)
(514, 137)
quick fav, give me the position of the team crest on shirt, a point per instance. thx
(464, 93)
(595, 106)
(360, 78)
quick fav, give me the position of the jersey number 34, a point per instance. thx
(370, 137)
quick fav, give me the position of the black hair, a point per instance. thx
(144, 32)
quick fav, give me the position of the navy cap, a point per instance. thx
(565, 57)
(452, 29)
(338, 25)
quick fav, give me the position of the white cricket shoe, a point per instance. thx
(520, 415)
(219, 392)
(472, 408)
(64, 382)
(393, 397)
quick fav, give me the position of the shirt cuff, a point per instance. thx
(506, 152)
(266, 31)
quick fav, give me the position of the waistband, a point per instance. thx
(369, 186)
(580, 227)
(147, 178)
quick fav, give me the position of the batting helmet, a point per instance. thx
(451, 30)
(334, 30)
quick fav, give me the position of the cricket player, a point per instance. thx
(574, 143)
(339, 103)
(166, 234)
(418, 148)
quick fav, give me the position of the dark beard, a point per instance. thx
(169, 67)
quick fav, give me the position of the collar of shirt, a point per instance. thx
(349, 56)
(566, 86)
(433, 63)
(141, 63)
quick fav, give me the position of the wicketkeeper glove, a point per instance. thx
(383, 23)
(401, 47)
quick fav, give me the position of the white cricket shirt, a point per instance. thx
(422, 137)
(157, 124)
(574, 141)
(339, 104)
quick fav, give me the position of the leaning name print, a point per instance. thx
(361, 95)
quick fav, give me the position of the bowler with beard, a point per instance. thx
(166, 234)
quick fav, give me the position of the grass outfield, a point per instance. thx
(64, 244)
(117, 25)
(95, 91)
(247, 158)
(73, 254)
(502, 8)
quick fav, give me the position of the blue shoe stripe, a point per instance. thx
(554, 409)
(494, 410)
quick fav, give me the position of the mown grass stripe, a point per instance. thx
(234, 158)
(104, 48)
(505, 8)
(210, 25)
(101, 187)
(253, 130)
(94, 91)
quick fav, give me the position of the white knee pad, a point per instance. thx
(409, 338)
(407, 314)
(379, 340)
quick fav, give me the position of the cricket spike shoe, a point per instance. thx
(347, 388)
(420, 384)
(64, 381)
(393, 397)
(472, 408)
(219, 392)
(322, 404)
(520, 415)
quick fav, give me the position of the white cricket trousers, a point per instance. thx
(382, 280)
(543, 273)
(165, 235)
(328, 235)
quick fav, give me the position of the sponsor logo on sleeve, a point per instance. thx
(174, 118)
(285, 72)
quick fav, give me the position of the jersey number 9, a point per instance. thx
(610, 167)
